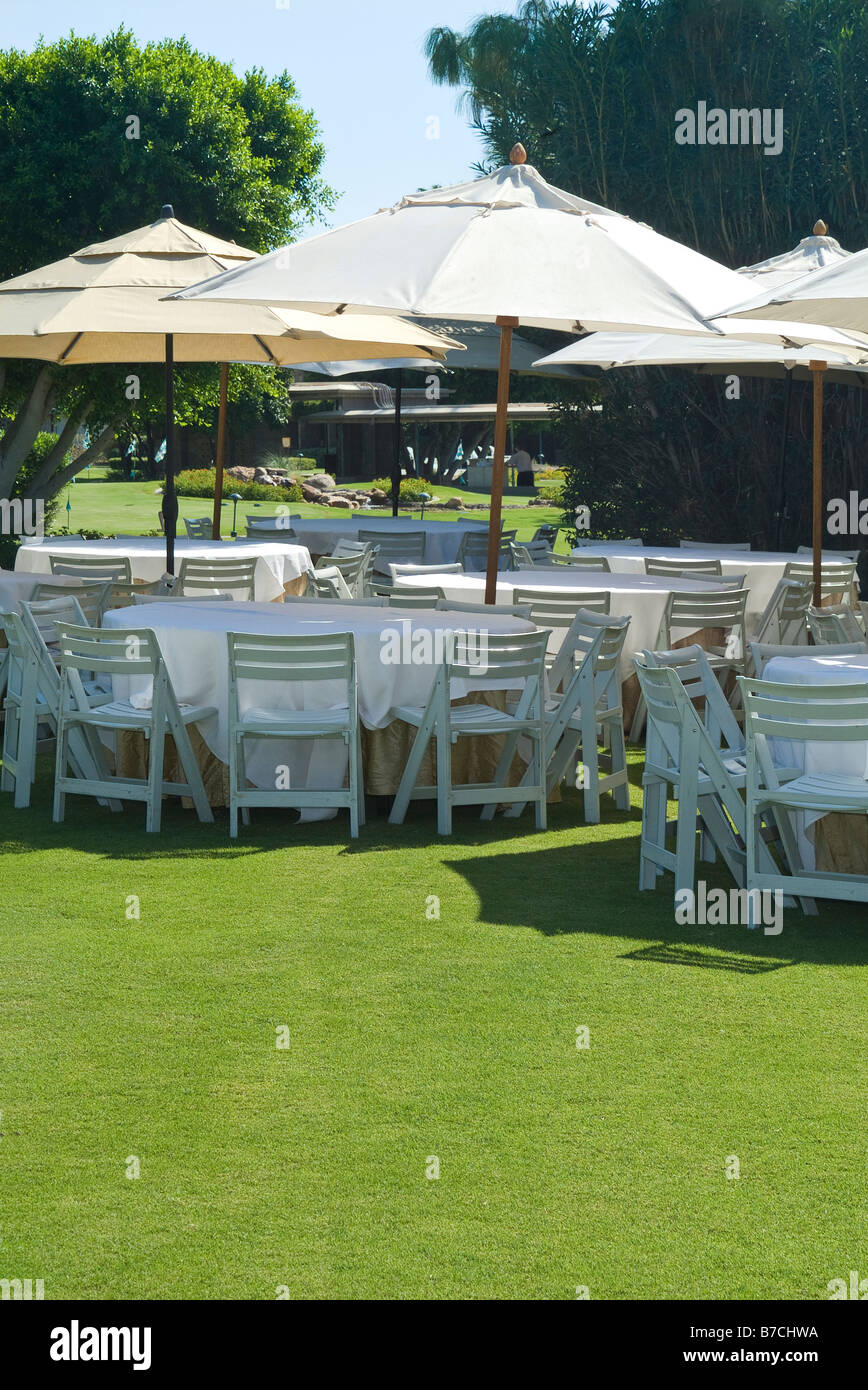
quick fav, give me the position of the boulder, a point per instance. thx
(244, 475)
(338, 500)
(311, 494)
(454, 504)
(322, 482)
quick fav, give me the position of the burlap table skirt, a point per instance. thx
(841, 844)
(384, 756)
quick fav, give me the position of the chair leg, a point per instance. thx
(653, 830)
(155, 778)
(591, 760)
(444, 783)
(233, 786)
(11, 736)
(685, 836)
(639, 717)
(541, 809)
(28, 732)
(618, 751)
(191, 772)
(353, 781)
(411, 772)
(59, 806)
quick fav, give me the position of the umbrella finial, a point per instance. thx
(820, 228)
(167, 210)
(518, 154)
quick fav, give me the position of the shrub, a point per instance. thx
(199, 482)
(410, 489)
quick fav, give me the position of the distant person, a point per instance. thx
(522, 461)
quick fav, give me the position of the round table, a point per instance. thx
(193, 642)
(762, 568)
(839, 842)
(640, 597)
(442, 538)
(278, 563)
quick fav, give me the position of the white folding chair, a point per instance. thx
(764, 652)
(353, 568)
(682, 753)
(421, 596)
(611, 540)
(116, 652)
(515, 610)
(396, 545)
(837, 578)
(809, 715)
(327, 583)
(199, 528)
(714, 545)
(232, 575)
(33, 699)
(324, 661)
(109, 568)
(93, 597)
(588, 711)
(139, 599)
(681, 569)
(481, 660)
(836, 623)
(784, 620)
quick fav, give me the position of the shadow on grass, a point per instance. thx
(692, 955)
(592, 888)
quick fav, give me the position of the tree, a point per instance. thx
(593, 94)
(95, 136)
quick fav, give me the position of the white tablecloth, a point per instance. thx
(278, 562)
(193, 642)
(16, 589)
(762, 568)
(442, 538)
(642, 598)
(844, 759)
(835, 759)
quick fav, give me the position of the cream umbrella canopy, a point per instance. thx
(836, 296)
(508, 248)
(107, 303)
(845, 354)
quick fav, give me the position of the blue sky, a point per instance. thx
(358, 65)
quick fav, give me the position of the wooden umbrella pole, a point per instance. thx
(170, 498)
(396, 456)
(221, 448)
(817, 369)
(506, 325)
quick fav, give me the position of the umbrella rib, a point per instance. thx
(269, 354)
(70, 345)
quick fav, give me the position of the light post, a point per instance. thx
(234, 498)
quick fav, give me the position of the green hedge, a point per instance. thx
(410, 490)
(199, 482)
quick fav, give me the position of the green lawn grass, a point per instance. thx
(413, 1038)
(134, 508)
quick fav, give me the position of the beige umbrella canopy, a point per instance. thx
(106, 303)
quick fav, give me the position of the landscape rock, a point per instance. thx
(338, 500)
(322, 482)
(454, 504)
(244, 475)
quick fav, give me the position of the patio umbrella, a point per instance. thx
(507, 249)
(730, 353)
(836, 296)
(107, 303)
